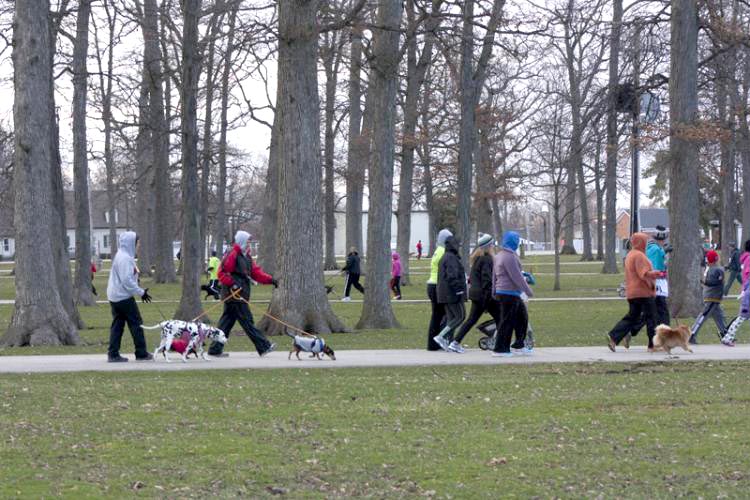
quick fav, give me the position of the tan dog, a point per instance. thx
(667, 338)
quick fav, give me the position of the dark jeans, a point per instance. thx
(733, 275)
(513, 317)
(455, 315)
(239, 311)
(352, 280)
(479, 307)
(641, 310)
(126, 311)
(713, 310)
(436, 318)
(396, 285)
(662, 315)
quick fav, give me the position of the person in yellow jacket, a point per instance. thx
(212, 289)
(438, 310)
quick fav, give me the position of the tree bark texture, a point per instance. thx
(377, 311)
(301, 299)
(190, 303)
(83, 292)
(39, 317)
(357, 146)
(331, 64)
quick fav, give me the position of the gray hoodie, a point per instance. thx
(123, 278)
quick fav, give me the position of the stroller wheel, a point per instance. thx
(484, 343)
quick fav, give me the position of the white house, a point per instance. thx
(420, 230)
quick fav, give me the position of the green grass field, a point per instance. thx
(594, 431)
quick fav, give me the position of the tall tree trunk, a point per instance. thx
(220, 235)
(485, 183)
(83, 293)
(684, 282)
(425, 155)
(610, 180)
(728, 154)
(331, 64)
(39, 317)
(301, 299)
(415, 77)
(744, 147)
(568, 220)
(355, 177)
(144, 196)
(377, 311)
(208, 140)
(269, 227)
(190, 301)
(599, 200)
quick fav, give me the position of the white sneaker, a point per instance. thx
(346, 299)
(441, 341)
(525, 351)
(502, 354)
(456, 347)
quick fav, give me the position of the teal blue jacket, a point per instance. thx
(656, 255)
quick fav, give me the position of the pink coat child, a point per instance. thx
(744, 314)
(396, 275)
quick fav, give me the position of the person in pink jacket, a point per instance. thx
(744, 315)
(396, 275)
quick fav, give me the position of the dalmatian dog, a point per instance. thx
(193, 334)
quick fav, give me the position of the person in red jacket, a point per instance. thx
(235, 274)
(93, 273)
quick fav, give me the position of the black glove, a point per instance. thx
(146, 298)
(275, 283)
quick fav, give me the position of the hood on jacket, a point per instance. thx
(511, 240)
(451, 245)
(127, 242)
(241, 238)
(395, 256)
(638, 241)
(443, 235)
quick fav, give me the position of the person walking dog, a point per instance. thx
(235, 274)
(121, 287)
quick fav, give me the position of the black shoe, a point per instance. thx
(693, 340)
(270, 349)
(147, 357)
(611, 344)
(116, 359)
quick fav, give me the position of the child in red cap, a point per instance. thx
(713, 292)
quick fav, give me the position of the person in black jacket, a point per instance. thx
(480, 289)
(733, 267)
(451, 292)
(353, 271)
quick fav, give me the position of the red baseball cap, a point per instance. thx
(712, 256)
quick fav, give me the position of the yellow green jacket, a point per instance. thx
(435, 265)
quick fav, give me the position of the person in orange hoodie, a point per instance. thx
(640, 289)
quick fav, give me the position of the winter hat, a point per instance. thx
(241, 238)
(484, 240)
(712, 257)
(511, 240)
(443, 235)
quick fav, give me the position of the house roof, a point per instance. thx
(652, 217)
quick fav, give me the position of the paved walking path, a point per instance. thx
(368, 358)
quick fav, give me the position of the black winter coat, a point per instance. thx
(352, 264)
(451, 285)
(481, 279)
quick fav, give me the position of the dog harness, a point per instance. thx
(310, 344)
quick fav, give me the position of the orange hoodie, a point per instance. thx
(639, 275)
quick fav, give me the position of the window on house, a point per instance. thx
(106, 241)
(6, 245)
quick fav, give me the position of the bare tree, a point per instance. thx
(39, 316)
(357, 145)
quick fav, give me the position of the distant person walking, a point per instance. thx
(744, 314)
(121, 287)
(511, 291)
(396, 275)
(734, 267)
(640, 289)
(437, 314)
(419, 250)
(212, 288)
(353, 271)
(657, 255)
(480, 289)
(451, 292)
(713, 293)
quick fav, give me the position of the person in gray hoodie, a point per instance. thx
(122, 286)
(511, 290)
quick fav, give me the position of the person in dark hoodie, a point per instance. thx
(353, 271)
(236, 273)
(451, 292)
(511, 291)
(480, 290)
(121, 287)
(437, 312)
(713, 293)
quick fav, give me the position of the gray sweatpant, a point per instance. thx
(713, 310)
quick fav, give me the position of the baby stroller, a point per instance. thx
(489, 328)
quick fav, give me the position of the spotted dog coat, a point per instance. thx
(195, 333)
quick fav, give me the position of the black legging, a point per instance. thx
(478, 307)
(396, 285)
(513, 316)
(437, 317)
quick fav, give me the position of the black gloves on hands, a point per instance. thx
(275, 283)
(146, 298)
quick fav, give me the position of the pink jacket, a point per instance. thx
(745, 261)
(395, 265)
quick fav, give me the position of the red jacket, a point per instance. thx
(238, 269)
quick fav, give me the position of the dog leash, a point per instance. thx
(209, 309)
(274, 318)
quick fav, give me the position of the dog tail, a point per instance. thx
(154, 327)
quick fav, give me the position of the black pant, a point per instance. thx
(662, 315)
(239, 311)
(396, 286)
(479, 307)
(455, 314)
(640, 310)
(513, 317)
(213, 289)
(126, 311)
(437, 317)
(733, 275)
(352, 280)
